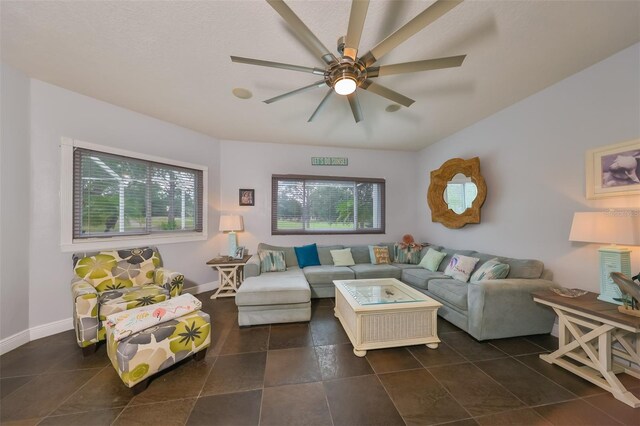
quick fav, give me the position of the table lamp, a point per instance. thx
(231, 223)
(612, 227)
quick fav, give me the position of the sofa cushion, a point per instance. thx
(272, 261)
(342, 257)
(451, 291)
(360, 254)
(406, 254)
(406, 266)
(376, 271)
(490, 270)
(289, 253)
(307, 255)
(324, 253)
(325, 274)
(278, 288)
(420, 277)
(523, 268)
(432, 260)
(379, 255)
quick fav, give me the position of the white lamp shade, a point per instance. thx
(615, 227)
(230, 222)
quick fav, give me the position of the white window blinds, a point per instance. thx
(115, 195)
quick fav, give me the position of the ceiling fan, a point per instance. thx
(349, 72)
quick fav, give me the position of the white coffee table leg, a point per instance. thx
(432, 345)
(359, 353)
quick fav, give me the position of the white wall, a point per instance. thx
(250, 165)
(532, 158)
(14, 204)
(56, 113)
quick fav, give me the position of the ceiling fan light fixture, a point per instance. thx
(345, 86)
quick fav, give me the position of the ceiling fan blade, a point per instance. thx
(280, 65)
(355, 107)
(322, 102)
(302, 31)
(424, 18)
(354, 31)
(386, 93)
(295, 92)
(426, 65)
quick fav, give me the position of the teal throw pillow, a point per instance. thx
(272, 261)
(432, 260)
(490, 270)
(307, 255)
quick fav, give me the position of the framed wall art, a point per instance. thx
(613, 170)
(246, 197)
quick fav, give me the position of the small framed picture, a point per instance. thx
(613, 170)
(239, 254)
(246, 197)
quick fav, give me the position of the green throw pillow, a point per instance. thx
(432, 260)
(272, 261)
(490, 270)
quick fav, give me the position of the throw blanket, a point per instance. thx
(124, 324)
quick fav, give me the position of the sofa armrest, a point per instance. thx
(85, 312)
(252, 268)
(502, 308)
(170, 280)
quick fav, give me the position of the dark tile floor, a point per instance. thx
(306, 374)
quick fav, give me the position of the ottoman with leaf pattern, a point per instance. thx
(138, 355)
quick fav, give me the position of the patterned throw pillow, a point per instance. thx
(407, 254)
(379, 255)
(490, 270)
(272, 261)
(342, 257)
(432, 260)
(460, 267)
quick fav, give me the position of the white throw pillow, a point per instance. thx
(342, 257)
(460, 267)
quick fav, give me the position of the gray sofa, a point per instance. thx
(486, 310)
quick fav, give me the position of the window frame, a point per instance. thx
(70, 244)
(274, 204)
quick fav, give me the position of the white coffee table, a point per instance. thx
(385, 313)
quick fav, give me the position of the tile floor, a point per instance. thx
(306, 374)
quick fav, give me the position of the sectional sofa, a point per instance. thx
(488, 309)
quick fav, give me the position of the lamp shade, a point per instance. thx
(231, 222)
(615, 227)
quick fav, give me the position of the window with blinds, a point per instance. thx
(115, 195)
(326, 205)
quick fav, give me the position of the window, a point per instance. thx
(115, 195)
(327, 205)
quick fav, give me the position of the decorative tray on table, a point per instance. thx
(569, 292)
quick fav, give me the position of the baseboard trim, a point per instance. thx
(39, 331)
(201, 288)
(44, 330)
(10, 343)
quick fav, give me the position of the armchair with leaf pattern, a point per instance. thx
(112, 281)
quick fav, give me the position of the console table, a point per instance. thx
(588, 328)
(231, 274)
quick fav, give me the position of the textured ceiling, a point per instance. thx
(170, 60)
